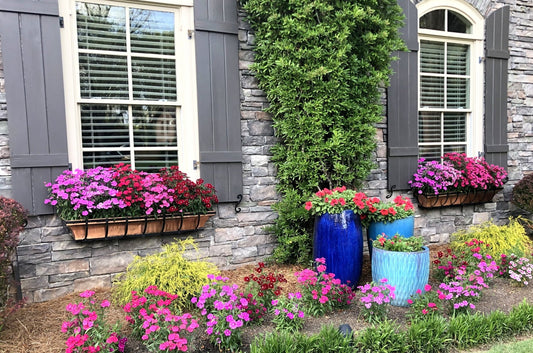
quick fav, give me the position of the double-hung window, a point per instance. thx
(450, 83)
(130, 84)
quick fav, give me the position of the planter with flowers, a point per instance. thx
(404, 262)
(116, 201)
(456, 180)
(338, 236)
(388, 218)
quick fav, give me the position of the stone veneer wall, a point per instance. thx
(52, 264)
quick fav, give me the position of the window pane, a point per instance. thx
(454, 127)
(458, 93)
(457, 23)
(101, 27)
(105, 159)
(455, 148)
(433, 20)
(432, 91)
(103, 76)
(104, 125)
(458, 59)
(152, 32)
(154, 79)
(429, 127)
(431, 57)
(155, 160)
(154, 126)
(430, 152)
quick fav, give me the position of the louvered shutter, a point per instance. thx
(402, 105)
(31, 54)
(497, 55)
(218, 85)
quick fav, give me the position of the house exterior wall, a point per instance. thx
(52, 264)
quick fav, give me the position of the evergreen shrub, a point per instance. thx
(322, 65)
(501, 239)
(169, 271)
(523, 193)
(12, 221)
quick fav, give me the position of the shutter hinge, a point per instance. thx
(189, 33)
(195, 164)
(61, 22)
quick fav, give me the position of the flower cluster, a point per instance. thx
(520, 270)
(336, 201)
(155, 324)
(371, 209)
(426, 303)
(322, 292)
(456, 172)
(288, 315)
(399, 243)
(88, 329)
(264, 287)
(225, 312)
(375, 300)
(388, 211)
(119, 191)
(464, 277)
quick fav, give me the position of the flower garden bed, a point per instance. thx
(36, 327)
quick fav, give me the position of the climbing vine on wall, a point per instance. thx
(321, 64)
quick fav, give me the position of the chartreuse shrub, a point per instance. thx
(497, 239)
(322, 65)
(169, 271)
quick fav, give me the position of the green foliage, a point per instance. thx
(169, 270)
(433, 334)
(428, 335)
(383, 338)
(321, 64)
(399, 243)
(12, 221)
(523, 193)
(504, 239)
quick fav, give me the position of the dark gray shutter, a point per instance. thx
(402, 105)
(496, 57)
(217, 67)
(31, 54)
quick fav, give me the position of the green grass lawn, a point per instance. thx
(510, 347)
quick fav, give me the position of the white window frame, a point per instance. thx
(187, 118)
(475, 114)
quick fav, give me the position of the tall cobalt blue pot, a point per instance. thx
(404, 227)
(406, 271)
(339, 239)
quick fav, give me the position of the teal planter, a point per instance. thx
(339, 239)
(406, 271)
(404, 227)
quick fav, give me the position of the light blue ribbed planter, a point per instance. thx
(404, 227)
(406, 271)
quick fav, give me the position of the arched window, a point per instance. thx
(450, 79)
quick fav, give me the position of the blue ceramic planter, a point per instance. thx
(339, 239)
(404, 227)
(406, 271)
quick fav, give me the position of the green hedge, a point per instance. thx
(322, 65)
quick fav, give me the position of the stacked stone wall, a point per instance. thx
(52, 264)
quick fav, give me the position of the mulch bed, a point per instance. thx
(37, 327)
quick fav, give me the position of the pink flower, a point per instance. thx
(427, 287)
(424, 311)
(308, 205)
(409, 301)
(105, 303)
(87, 294)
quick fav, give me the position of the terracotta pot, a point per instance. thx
(138, 226)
